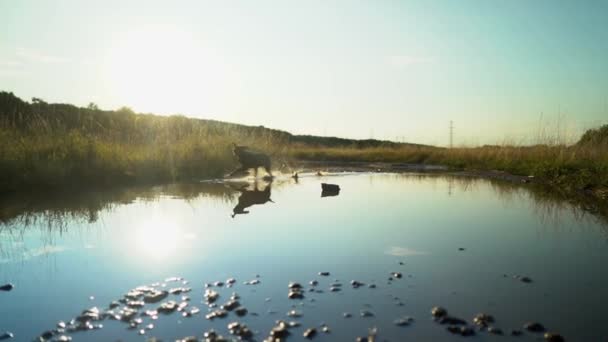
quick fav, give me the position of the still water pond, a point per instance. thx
(461, 244)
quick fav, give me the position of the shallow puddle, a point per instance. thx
(376, 257)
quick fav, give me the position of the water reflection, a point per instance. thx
(252, 194)
(104, 243)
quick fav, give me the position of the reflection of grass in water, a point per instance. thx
(54, 209)
(53, 212)
(551, 206)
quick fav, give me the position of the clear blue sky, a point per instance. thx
(345, 68)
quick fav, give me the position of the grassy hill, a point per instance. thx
(51, 145)
(46, 145)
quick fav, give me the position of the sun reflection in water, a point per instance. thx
(157, 238)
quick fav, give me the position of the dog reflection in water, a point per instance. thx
(251, 195)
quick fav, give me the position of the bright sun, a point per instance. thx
(161, 70)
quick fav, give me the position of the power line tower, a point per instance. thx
(451, 133)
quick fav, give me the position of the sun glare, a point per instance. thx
(161, 70)
(157, 239)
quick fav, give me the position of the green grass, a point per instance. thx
(44, 146)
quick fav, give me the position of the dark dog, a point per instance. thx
(250, 159)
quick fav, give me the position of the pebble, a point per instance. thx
(553, 337)
(483, 319)
(461, 330)
(231, 305)
(167, 307)
(155, 296)
(219, 313)
(240, 311)
(534, 327)
(241, 330)
(366, 313)
(451, 320)
(295, 294)
(516, 332)
(397, 275)
(279, 332)
(356, 284)
(188, 339)
(347, 315)
(211, 296)
(294, 313)
(495, 331)
(438, 311)
(314, 283)
(310, 333)
(7, 287)
(324, 274)
(403, 321)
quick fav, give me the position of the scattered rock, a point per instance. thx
(231, 305)
(515, 332)
(167, 307)
(211, 296)
(314, 283)
(179, 290)
(451, 320)
(7, 287)
(438, 311)
(366, 313)
(553, 337)
(310, 333)
(534, 327)
(219, 313)
(240, 311)
(279, 332)
(397, 275)
(241, 330)
(403, 321)
(294, 313)
(495, 331)
(483, 320)
(461, 249)
(347, 315)
(356, 284)
(295, 293)
(7, 335)
(324, 274)
(155, 296)
(461, 330)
